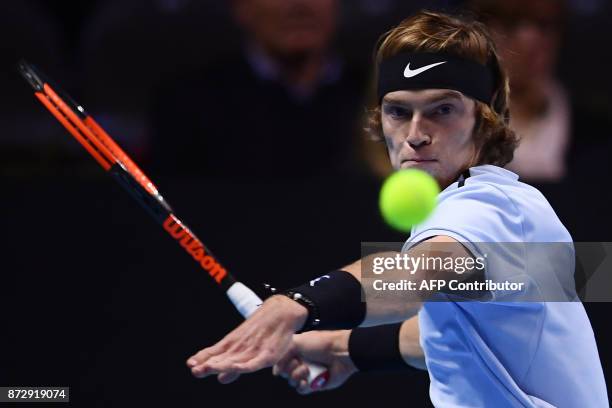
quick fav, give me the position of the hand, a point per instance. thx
(329, 348)
(258, 342)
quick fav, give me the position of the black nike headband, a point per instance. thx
(415, 71)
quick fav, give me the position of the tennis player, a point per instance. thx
(443, 108)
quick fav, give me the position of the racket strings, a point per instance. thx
(93, 138)
(102, 157)
(121, 156)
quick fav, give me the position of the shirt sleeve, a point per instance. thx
(472, 214)
(475, 213)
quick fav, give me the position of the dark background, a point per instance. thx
(96, 297)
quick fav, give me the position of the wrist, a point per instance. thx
(377, 349)
(340, 341)
(295, 313)
(333, 301)
(340, 349)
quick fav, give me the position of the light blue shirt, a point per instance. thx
(508, 353)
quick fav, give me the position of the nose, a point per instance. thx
(417, 136)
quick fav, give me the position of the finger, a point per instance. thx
(226, 378)
(303, 388)
(292, 383)
(243, 363)
(206, 353)
(235, 358)
(259, 361)
(299, 373)
(213, 366)
(281, 365)
(284, 360)
(198, 358)
(288, 368)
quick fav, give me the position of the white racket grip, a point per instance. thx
(246, 301)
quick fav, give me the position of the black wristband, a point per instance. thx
(334, 301)
(376, 349)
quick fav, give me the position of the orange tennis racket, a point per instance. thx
(119, 165)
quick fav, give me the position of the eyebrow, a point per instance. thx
(434, 99)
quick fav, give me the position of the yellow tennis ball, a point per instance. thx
(407, 197)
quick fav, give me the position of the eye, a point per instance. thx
(444, 110)
(396, 112)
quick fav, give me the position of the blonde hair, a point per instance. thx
(429, 31)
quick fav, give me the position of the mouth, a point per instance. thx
(415, 162)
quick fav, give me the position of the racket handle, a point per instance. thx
(318, 375)
(244, 299)
(246, 302)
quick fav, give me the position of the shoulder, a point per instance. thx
(492, 205)
(482, 209)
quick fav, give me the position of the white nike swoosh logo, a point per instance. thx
(409, 73)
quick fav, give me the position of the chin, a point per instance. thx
(430, 167)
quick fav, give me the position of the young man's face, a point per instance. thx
(430, 130)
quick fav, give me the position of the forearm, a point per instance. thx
(360, 295)
(409, 344)
(381, 273)
(383, 307)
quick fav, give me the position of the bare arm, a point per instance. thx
(390, 306)
(266, 336)
(410, 347)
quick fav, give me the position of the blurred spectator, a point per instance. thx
(564, 147)
(556, 135)
(364, 21)
(128, 47)
(285, 106)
